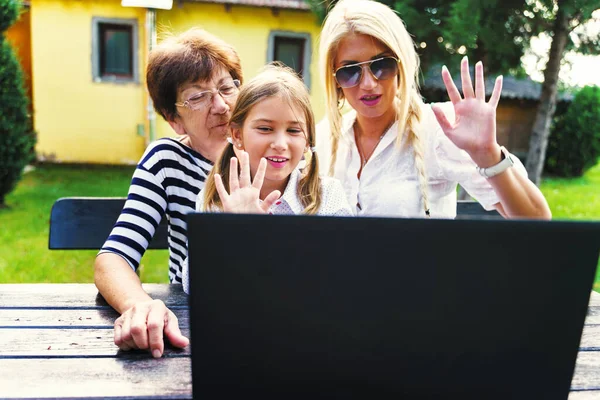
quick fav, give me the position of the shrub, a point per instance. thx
(574, 143)
(16, 135)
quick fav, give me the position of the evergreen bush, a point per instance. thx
(574, 143)
(16, 136)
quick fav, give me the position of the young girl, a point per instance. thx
(272, 127)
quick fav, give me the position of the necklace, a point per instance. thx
(363, 156)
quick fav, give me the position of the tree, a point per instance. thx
(499, 32)
(16, 136)
(495, 31)
(568, 15)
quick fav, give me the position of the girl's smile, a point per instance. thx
(274, 130)
(277, 162)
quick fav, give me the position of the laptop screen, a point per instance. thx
(321, 307)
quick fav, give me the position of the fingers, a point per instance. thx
(142, 327)
(270, 200)
(497, 92)
(223, 195)
(156, 324)
(245, 170)
(465, 75)
(139, 330)
(122, 332)
(479, 81)
(453, 92)
(260, 174)
(442, 119)
(234, 183)
(172, 331)
(118, 331)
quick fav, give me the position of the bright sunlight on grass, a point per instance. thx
(577, 198)
(24, 254)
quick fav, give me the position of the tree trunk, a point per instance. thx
(547, 106)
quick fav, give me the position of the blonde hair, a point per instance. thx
(378, 21)
(273, 80)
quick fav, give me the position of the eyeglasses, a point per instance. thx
(381, 68)
(204, 99)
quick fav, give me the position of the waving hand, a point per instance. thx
(474, 129)
(244, 196)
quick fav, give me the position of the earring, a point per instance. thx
(341, 100)
(239, 145)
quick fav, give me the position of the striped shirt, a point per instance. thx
(166, 181)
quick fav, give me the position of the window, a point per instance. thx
(114, 50)
(292, 49)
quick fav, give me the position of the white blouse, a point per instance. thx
(333, 203)
(389, 186)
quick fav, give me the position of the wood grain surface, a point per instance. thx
(56, 341)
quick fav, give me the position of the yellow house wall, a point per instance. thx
(247, 29)
(78, 120)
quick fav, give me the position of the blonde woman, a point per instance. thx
(272, 127)
(395, 155)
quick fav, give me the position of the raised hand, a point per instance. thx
(474, 129)
(244, 196)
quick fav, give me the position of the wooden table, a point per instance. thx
(56, 340)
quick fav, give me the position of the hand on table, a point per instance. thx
(144, 325)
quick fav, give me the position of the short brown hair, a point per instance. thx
(191, 56)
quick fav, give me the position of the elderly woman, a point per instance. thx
(193, 80)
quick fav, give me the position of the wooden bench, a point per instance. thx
(84, 223)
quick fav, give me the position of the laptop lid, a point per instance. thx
(321, 307)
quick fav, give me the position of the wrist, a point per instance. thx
(505, 163)
(132, 301)
(487, 157)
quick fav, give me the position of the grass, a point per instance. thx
(24, 254)
(575, 199)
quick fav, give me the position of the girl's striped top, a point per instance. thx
(166, 181)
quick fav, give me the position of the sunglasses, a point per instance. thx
(381, 68)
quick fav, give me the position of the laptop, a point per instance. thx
(290, 307)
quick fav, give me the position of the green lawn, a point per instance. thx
(577, 198)
(24, 254)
